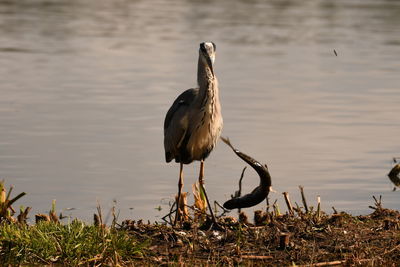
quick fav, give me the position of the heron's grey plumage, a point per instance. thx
(193, 124)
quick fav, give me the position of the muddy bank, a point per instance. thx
(300, 239)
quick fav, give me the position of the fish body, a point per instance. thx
(260, 192)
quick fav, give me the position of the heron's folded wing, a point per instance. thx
(176, 123)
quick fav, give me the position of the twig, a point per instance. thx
(287, 200)
(222, 207)
(298, 209)
(378, 203)
(303, 198)
(169, 215)
(337, 262)
(334, 210)
(239, 193)
(171, 210)
(393, 249)
(327, 263)
(9, 192)
(15, 198)
(257, 257)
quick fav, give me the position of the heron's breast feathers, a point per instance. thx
(204, 134)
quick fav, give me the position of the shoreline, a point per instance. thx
(296, 238)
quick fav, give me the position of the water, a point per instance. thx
(85, 86)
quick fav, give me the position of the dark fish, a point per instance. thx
(394, 175)
(260, 192)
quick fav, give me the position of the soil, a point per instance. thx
(296, 239)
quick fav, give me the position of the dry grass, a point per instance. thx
(300, 237)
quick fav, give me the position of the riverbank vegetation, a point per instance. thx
(302, 236)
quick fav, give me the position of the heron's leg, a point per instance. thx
(180, 185)
(201, 183)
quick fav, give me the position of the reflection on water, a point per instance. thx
(86, 84)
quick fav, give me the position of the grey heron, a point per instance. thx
(193, 123)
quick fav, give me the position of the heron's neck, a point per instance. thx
(208, 85)
(204, 75)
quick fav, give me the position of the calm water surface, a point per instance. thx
(85, 86)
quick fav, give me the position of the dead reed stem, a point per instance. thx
(303, 198)
(288, 203)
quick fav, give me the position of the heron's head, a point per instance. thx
(207, 54)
